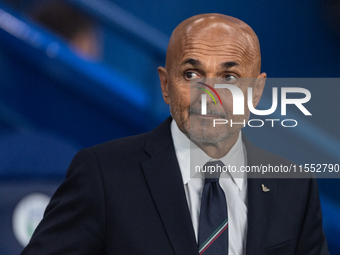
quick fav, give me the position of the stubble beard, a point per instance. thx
(203, 132)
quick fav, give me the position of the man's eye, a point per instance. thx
(230, 78)
(191, 75)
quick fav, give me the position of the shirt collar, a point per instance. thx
(184, 148)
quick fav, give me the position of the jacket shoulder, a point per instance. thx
(122, 146)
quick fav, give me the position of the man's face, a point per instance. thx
(213, 52)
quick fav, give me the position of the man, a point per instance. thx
(136, 196)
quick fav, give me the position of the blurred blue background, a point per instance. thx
(80, 72)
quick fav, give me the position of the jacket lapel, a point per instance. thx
(259, 202)
(164, 179)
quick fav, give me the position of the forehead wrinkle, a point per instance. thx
(222, 48)
(217, 65)
(237, 58)
(231, 52)
(253, 53)
(237, 46)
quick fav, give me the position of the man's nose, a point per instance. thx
(211, 99)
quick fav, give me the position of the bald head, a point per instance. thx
(213, 30)
(203, 47)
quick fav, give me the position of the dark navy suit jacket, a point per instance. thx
(127, 197)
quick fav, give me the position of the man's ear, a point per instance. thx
(163, 77)
(258, 88)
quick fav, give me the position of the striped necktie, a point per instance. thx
(213, 222)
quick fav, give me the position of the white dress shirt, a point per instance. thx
(235, 188)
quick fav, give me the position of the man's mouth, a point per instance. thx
(210, 114)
